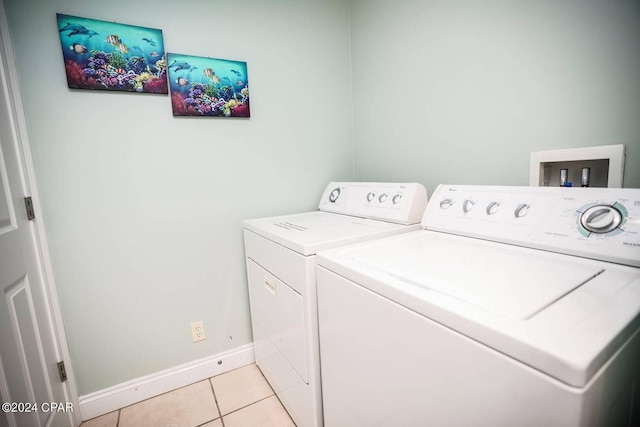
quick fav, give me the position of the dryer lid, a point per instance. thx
(307, 233)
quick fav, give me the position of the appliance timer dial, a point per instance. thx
(446, 203)
(601, 219)
(522, 210)
(396, 199)
(468, 205)
(333, 196)
(492, 208)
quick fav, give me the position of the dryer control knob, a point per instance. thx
(333, 196)
(493, 208)
(382, 197)
(446, 203)
(371, 196)
(522, 210)
(468, 205)
(601, 219)
(396, 199)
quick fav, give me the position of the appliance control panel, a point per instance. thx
(402, 203)
(598, 223)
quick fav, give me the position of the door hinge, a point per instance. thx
(28, 203)
(62, 371)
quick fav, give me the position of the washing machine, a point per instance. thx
(280, 256)
(514, 306)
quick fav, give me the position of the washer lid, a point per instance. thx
(307, 233)
(494, 278)
(563, 315)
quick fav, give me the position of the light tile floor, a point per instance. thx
(238, 398)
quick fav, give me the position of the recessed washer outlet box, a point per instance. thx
(605, 163)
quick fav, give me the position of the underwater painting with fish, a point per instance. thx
(109, 56)
(208, 86)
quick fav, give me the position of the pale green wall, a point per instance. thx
(463, 91)
(143, 211)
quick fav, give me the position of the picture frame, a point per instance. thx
(101, 55)
(208, 87)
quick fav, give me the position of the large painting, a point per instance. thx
(108, 56)
(208, 86)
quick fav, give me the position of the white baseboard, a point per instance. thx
(110, 399)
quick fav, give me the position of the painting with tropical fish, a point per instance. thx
(110, 56)
(208, 86)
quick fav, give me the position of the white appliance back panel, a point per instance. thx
(402, 203)
(597, 223)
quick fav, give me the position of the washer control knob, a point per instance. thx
(383, 197)
(601, 219)
(522, 210)
(446, 203)
(396, 199)
(333, 196)
(371, 196)
(493, 208)
(467, 205)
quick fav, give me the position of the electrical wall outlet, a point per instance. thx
(197, 331)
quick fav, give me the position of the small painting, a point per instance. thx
(108, 56)
(208, 86)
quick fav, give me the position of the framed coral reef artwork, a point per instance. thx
(208, 86)
(110, 56)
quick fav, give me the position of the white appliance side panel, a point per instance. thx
(302, 400)
(279, 312)
(383, 364)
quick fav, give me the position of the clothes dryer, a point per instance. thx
(515, 306)
(280, 255)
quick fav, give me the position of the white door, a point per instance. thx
(33, 394)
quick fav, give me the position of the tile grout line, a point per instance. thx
(119, 415)
(253, 403)
(170, 391)
(215, 399)
(249, 404)
(275, 394)
(162, 394)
